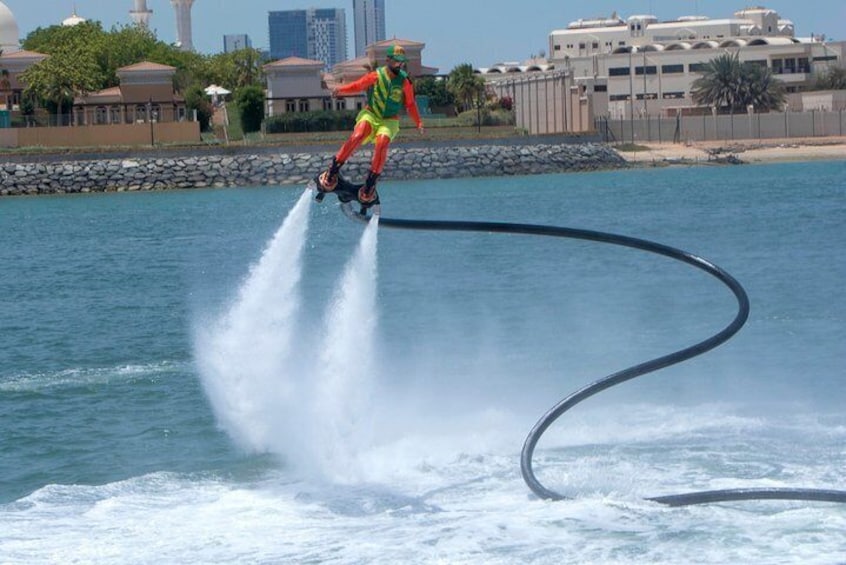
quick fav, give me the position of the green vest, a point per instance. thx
(385, 96)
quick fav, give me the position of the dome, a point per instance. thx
(9, 34)
(73, 20)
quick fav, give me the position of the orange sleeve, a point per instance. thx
(359, 85)
(411, 103)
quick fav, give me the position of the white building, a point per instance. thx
(9, 33)
(183, 24)
(140, 14)
(640, 66)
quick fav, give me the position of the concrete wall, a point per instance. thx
(708, 127)
(546, 103)
(90, 136)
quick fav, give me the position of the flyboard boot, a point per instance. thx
(367, 194)
(327, 181)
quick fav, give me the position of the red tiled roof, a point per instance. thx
(147, 66)
(295, 62)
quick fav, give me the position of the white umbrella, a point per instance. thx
(216, 91)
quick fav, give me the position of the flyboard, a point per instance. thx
(347, 193)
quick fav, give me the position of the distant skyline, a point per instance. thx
(480, 33)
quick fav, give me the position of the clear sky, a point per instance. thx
(480, 32)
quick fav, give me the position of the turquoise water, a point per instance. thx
(184, 378)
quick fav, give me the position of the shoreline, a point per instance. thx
(245, 167)
(747, 151)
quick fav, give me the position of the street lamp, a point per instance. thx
(151, 118)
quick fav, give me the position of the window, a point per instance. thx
(290, 106)
(648, 96)
(618, 71)
(697, 67)
(101, 115)
(618, 97)
(595, 45)
(673, 95)
(804, 65)
(303, 105)
(600, 88)
(327, 103)
(582, 46)
(650, 70)
(825, 58)
(671, 69)
(557, 48)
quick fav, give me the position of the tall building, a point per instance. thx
(183, 24)
(369, 18)
(236, 42)
(318, 34)
(140, 14)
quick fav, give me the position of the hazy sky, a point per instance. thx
(480, 32)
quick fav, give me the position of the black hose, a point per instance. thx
(632, 372)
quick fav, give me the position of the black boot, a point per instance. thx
(367, 193)
(329, 179)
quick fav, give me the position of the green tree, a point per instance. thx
(718, 85)
(761, 89)
(56, 80)
(833, 78)
(466, 86)
(236, 69)
(435, 89)
(124, 46)
(250, 103)
(729, 85)
(196, 99)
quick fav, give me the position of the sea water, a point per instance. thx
(240, 375)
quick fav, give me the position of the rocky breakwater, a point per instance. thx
(281, 168)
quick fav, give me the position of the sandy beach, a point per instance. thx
(747, 151)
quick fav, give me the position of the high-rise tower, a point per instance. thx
(140, 14)
(183, 24)
(369, 21)
(315, 33)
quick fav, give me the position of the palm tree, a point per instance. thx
(730, 85)
(718, 85)
(832, 79)
(465, 85)
(761, 89)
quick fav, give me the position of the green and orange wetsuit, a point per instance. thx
(378, 122)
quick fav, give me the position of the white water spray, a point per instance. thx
(245, 357)
(344, 378)
(312, 405)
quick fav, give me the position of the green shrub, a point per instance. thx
(250, 103)
(324, 120)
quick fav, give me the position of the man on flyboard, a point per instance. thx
(388, 90)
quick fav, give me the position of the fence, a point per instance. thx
(722, 127)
